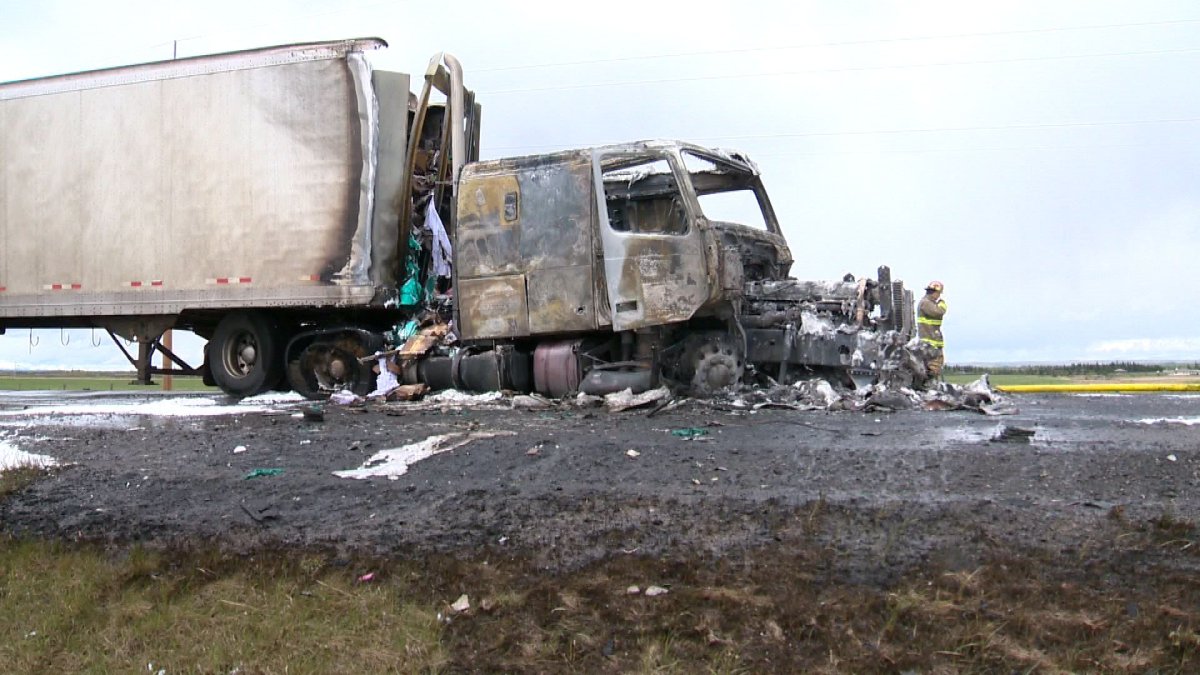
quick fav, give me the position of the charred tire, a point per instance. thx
(711, 362)
(324, 367)
(244, 354)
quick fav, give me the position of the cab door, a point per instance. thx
(654, 255)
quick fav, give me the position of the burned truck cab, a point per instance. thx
(621, 266)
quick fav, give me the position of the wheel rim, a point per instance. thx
(240, 355)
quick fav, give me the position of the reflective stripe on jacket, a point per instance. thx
(929, 321)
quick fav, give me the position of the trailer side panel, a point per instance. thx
(238, 180)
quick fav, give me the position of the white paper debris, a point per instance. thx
(344, 397)
(394, 462)
(443, 252)
(386, 382)
(462, 604)
(625, 399)
(652, 591)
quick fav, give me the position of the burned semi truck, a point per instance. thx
(613, 267)
(303, 212)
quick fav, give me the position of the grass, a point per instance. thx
(94, 382)
(1006, 379)
(1001, 380)
(66, 608)
(15, 480)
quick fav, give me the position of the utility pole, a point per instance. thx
(167, 366)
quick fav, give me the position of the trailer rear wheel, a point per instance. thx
(244, 354)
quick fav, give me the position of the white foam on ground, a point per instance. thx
(463, 398)
(12, 457)
(394, 463)
(171, 407)
(274, 397)
(1187, 421)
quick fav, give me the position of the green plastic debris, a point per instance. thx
(689, 432)
(412, 291)
(409, 330)
(259, 473)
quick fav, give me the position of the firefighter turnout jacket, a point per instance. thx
(929, 321)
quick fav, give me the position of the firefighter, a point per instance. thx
(930, 311)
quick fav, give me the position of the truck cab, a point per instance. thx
(615, 237)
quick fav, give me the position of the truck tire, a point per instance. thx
(244, 355)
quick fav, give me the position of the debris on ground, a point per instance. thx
(1009, 434)
(407, 392)
(819, 394)
(262, 473)
(583, 400)
(652, 591)
(888, 394)
(394, 462)
(456, 397)
(239, 449)
(385, 380)
(531, 402)
(634, 454)
(462, 604)
(689, 432)
(627, 400)
(345, 397)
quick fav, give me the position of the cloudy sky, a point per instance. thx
(1040, 158)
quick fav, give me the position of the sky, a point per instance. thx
(1040, 158)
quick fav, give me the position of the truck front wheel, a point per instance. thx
(243, 354)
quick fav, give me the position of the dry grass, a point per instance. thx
(67, 610)
(70, 608)
(15, 480)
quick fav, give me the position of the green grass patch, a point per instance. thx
(66, 609)
(1005, 379)
(93, 382)
(15, 480)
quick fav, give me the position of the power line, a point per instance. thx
(873, 132)
(995, 148)
(840, 43)
(790, 73)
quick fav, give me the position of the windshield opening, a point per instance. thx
(726, 193)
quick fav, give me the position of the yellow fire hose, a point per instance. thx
(1115, 387)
